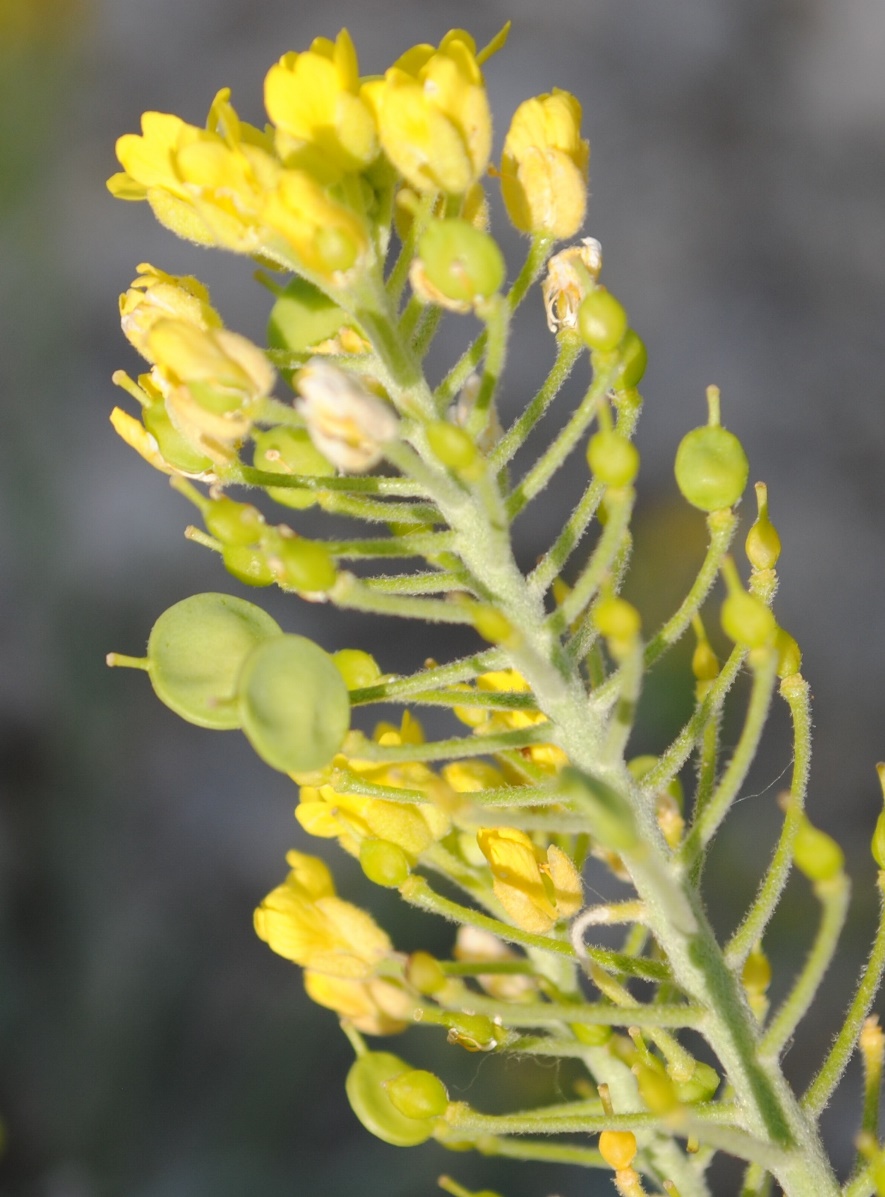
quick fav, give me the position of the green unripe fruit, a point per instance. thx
(196, 650)
(247, 565)
(613, 459)
(700, 1086)
(454, 447)
(656, 1089)
(301, 564)
(232, 522)
(384, 863)
(591, 1034)
(877, 845)
(789, 654)
(602, 320)
(359, 669)
(302, 317)
(617, 619)
(290, 451)
(817, 854)
(175, 450)
(763, 544)
(460, 261)
(418, 1094)
(366, 1088)
(475, 1033)
(425, 973)
(633, 359)
(711, 468)
(747, 621)
(293, 704)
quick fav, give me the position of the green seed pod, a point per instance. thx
(745, 618)
(711, 465)
(633, 360)
(301, 564)
(656, 1089)
(454, 447)
(195, 652)
(290, 451)
(425, 973)
(384, 863)
(602, 320)
(475, 1033)
(763, 545)
(591, 1035)
(303, 317)
(247, 565)
(174, 449)
(789, 654)
(700, 1086)
(366, 1088)
(293, 704)
(418, 1094)
(878, 842)
(359, 669)
(232, 522)
(460, 262)
(617, 619)
(817, 854)
(613, 459)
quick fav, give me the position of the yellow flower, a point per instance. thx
(304, 921)
(156, 439)
(326, 237)
(313, 99)
(211, 380)
(207, 185)
(544, 166)
(433, 115)
(373, 1006)
(536, 890)
(154, 295)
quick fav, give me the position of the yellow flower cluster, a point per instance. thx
(308, 192)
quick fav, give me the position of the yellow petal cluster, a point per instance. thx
(548, 757)
(322, 124)
(225, 186)
(155, 295)
(535, 889)
(351, 818)
(338, 945)
(433, 115)
(544, 166)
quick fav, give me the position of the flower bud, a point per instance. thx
(359, 669)
(384, 863)
(457, 265)
(763, 545)
(425, 973)
(602, 320)
(544, 166)
(700, 1086)
(711, 465)
(618, 1149)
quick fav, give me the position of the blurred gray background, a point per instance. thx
(149, 1044)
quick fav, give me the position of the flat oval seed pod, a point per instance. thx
(195, 653)
(366, 1091)
(293, 703)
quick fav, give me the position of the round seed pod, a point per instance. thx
(290, 451)
(293, 704)
(247, 565)
(633, 357)
(359, 669)
(232, 522)
(613, 459)
(196, 650)
(174, 449)
(418, 1094)
(302, 564)
(303, 317)
(711, 467)
(602, 320)
(460, 261)
(817, 854)
(366, 1088)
